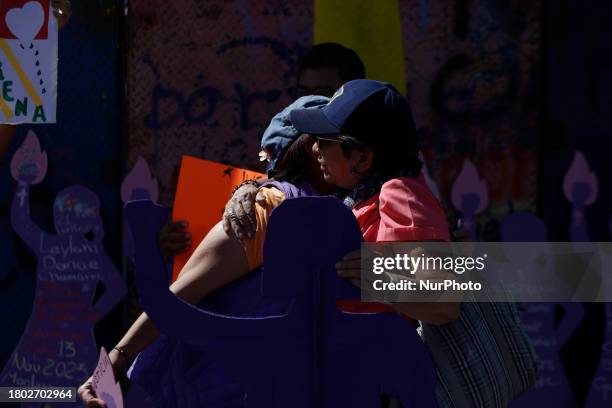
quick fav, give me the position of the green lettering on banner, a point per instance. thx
(39, 112)
(21, 107)
(1, 73)
(7, 87)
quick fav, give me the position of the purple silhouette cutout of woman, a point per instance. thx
(58, 346)
(547, 336)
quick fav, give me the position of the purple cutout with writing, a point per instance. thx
(538, 321)
(287, 344)
(580, 187)
(58, 346)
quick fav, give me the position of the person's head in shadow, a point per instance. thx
(365, 132)
(288, 152)
(325, 67)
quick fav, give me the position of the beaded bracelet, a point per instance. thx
(122, 353)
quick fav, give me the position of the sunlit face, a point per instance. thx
(339, 169)
(318, 81)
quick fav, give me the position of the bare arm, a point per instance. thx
(217, 261)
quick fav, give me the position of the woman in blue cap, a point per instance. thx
(367, 145)
(367, 148)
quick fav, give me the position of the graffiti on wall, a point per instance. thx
(205, 78)
(222, 70)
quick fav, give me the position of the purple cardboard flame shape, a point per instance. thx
(29, 162)
(580, 183)
(58, 347)
(139, 184)
(293, 347)
(470, 195)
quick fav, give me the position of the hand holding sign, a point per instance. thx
(103, 382)
(29, 164)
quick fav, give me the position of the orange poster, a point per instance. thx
(204, 187)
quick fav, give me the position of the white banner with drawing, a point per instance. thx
(28, 62)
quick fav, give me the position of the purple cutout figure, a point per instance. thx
(538, 321)
(58, 346)
(286, 344)
(580, 187)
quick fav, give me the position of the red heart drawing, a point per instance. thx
(8, 5)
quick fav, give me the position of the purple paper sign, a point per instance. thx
(470, 195)
(58, 346)
(104, 384)
(287, 344)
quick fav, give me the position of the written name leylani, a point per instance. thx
(434, 267)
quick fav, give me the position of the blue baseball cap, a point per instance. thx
(281, 133)
(365, 109)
